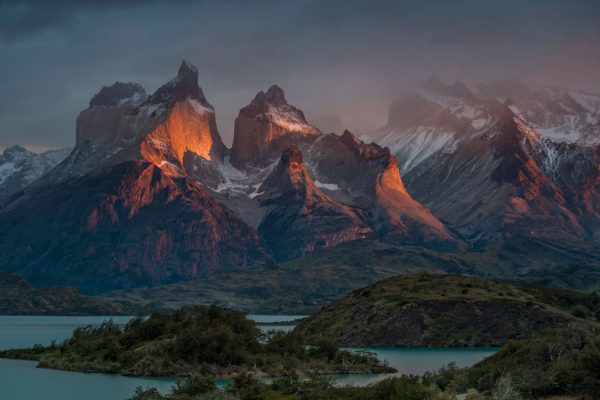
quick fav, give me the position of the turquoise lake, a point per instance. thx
(21, 380)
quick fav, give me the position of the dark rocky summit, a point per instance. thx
(117, 94)
(265, 127)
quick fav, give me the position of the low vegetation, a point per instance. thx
(447, 310)
(196, 340)
(304, 285)
(18, 297)
(295, 388)
(557, 364)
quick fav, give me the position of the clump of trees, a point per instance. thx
(246, 387)
(557, 362)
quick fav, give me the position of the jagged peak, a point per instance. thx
(273, 107)
(351, 140)
(368, 151)
(289, 175)
(187, 66)
(17, 148)
(187, 74)
(119, 93)
(183, 86)
(274, 96)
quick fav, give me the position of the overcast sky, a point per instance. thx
(344, 57)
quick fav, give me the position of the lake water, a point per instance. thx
(21, 380)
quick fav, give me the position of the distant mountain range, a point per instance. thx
(20, 167)
(150, 194)
(501, 159)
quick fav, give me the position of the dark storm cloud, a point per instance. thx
(342, 57)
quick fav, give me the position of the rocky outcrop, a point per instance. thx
(189, 124)
(110, 118)
(265, 127)
(300, 217)
(170, 128)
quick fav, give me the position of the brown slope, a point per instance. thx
(537, 205)
(370, 178)
(129, 225)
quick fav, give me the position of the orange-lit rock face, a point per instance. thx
(189, 127)
(401, 216)
(267, 126)
(371, 177)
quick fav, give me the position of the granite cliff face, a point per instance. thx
(265, 127)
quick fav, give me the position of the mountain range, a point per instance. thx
(20, 167)
(150, 194)
(501, 159)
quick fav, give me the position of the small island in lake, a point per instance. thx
(196, 340)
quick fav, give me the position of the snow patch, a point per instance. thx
(290, 120)
(135, 99)
(414, 145)
(328, 186)
(6, 170)
(479, 123)
(198, 107)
